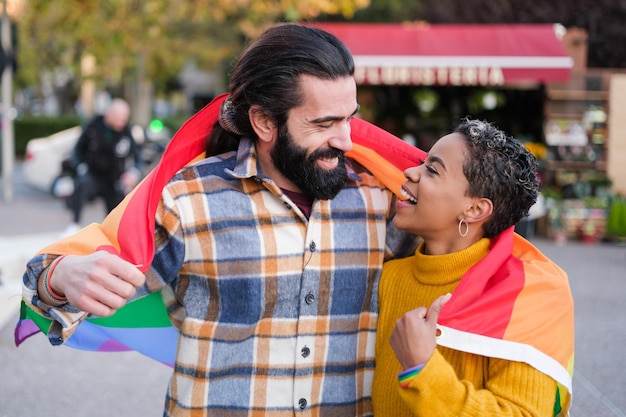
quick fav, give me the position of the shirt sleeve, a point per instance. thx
(169, 254)
(65, 319)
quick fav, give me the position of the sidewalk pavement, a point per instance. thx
(31, 220)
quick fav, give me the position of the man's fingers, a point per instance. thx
(123, 289)
(102, 263)
(125, 271)
(114, 275)
(95, 307)
(101, 296)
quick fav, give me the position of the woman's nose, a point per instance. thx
(412, 173)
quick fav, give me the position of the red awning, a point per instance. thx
(442, 54)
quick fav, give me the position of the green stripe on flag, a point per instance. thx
(42, 322)
(148, 311)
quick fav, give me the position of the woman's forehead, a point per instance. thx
(451, 145)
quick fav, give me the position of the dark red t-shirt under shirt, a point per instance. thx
(303, 201)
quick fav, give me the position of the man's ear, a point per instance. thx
(262, 124)
(480, 210)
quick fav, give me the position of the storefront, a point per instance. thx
(418, 80)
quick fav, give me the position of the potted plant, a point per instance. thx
(616, 219)
(588, 232)
(556, 226)
(600, 186)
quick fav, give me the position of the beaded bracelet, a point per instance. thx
(405, 377)
(46, 283)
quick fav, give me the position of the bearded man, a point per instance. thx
(267, 251)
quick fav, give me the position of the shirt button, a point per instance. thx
(312, 246)
(305, 351)
(302, 403)
(309, 298)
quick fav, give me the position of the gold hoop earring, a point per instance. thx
(461, 222)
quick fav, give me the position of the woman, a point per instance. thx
(478, 322)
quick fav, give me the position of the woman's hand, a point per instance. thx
(414, 337)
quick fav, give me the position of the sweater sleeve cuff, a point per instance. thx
(426, 389)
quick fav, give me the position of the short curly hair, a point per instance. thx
(499, 168)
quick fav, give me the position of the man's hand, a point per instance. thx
(414, 337)
(99, 283)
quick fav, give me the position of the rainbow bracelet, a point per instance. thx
(405, 377)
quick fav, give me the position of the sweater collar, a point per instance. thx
(448, 268)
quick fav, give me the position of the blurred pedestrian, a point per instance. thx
(107, 161)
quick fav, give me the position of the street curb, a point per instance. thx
(15, 251)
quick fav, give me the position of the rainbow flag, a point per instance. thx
(128, 231)
(515, 304)
(142, 325)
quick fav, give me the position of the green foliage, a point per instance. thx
(552, 192)
(27, 128)
(390, 11)
(596, 202)
(151, 38)
(175, 122)
(616, 220)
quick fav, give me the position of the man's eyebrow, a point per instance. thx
(327, 119)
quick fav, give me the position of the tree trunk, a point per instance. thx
(143, 92)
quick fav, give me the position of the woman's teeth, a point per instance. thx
(408, 196)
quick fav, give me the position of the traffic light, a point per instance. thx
(9, 58)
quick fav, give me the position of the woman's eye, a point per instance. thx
(431, 170)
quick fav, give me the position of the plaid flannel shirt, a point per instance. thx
(277, 314)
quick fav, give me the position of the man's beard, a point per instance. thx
(293, 162)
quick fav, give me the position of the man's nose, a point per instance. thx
(341, 138)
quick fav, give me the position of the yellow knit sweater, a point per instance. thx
(453, 383)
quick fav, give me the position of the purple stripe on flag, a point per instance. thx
(25, 328)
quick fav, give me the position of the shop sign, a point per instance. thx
(453, 76)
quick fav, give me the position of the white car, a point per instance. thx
(42, 163)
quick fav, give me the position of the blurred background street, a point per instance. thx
(41, 380)
(552, 74)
